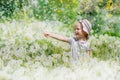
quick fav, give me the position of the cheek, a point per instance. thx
(80, 31)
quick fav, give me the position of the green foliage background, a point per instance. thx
(99, 12)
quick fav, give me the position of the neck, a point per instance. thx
(82, 39)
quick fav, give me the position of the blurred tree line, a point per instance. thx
(8, 7)
(100, 12)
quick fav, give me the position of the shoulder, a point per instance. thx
(72, 39)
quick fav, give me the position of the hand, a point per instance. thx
(46, 34)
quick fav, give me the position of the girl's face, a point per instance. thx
(78, 31)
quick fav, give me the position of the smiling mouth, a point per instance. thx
(76, 33)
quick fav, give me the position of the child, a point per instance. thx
(79, 45)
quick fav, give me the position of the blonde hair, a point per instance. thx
(79, 24)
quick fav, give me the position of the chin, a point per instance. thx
(77, 37)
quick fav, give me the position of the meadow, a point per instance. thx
(26, 54)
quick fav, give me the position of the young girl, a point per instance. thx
(79, 45)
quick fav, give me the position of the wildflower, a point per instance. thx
(100, 1)
(81, 11)
(61, 1)
(110, 15)
(59, 11)
(109, 5)
(73, 1)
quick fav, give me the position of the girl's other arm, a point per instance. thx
(55, 36)
(90, 53)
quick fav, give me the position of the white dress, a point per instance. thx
(79, 48)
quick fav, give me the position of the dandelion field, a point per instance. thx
(25, 54)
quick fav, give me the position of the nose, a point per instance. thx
(75, 31)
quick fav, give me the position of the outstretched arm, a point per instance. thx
(55, 36)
